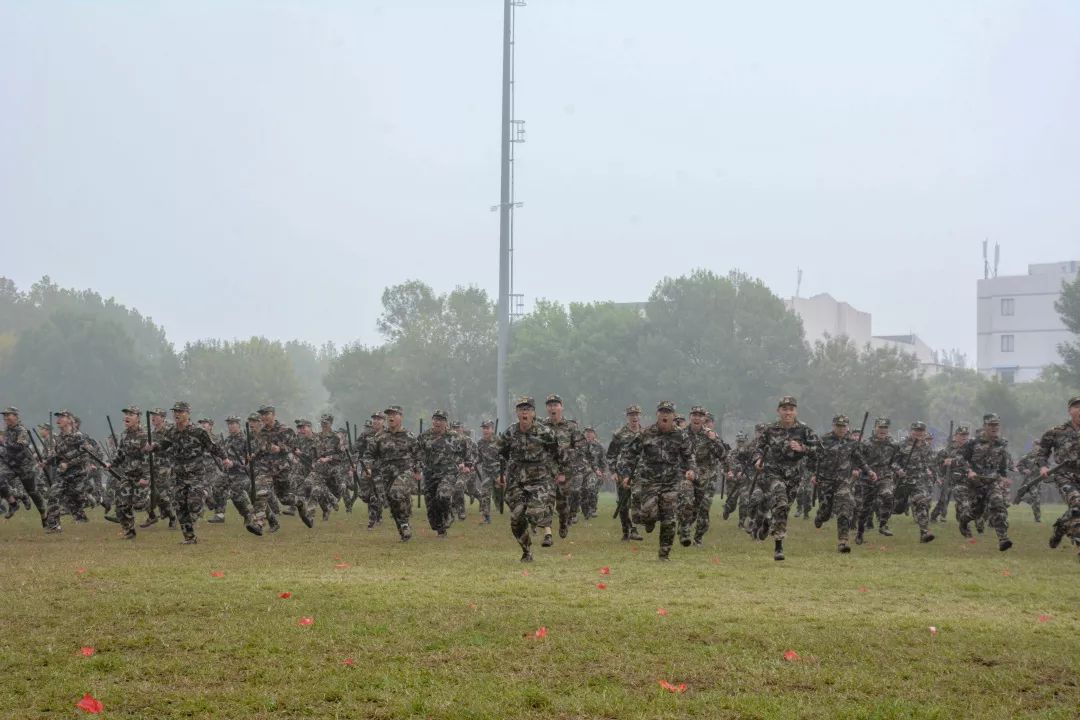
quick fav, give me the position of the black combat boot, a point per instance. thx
(1004, 544)
(548, 541)
(926, 536)
(778, 550)
(634, 534)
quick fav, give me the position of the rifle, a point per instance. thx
(419, 491)
(50, 464)
(36, 451)
(103, 464)
(250, 464)
(150, 460)
(1038, 478)
(115, 442)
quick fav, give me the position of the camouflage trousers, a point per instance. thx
(165, 486)
(238, 489)
(218, 491)
(876, 497)
(941, 509)
(836, 496)
(398, 492)
(283, 483)
(695, 503)
(804, 497)
(438, 500)
(590, 493)
(778, 495)
(1031, 497)
(484, 487)
(568, 498)
(130, 496)
(373, 491)
(1069, 523)
(460, 490)
(265, 497)
(657, 501)
(22, 482)
(738, 491)
(624, 496)
(529, 496)
(321, 488)
(66, 495)
(189, 496)
(916, 496)
(979, 496)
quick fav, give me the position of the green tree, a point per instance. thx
(221, 378)
(952, 398)
(1068, 306)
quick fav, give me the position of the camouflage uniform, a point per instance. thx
(985, 493)
(781, 472)
(658, 461)
(131, 463)
(306, 493)
(590, 490)
(186, 449)
(1063, 443)
(239, 482)
(572, 445)
(19, 467)
(619, 441)
(696, 496)
(1027, 468)
(950, 475)
(330, 470)
(882, 455)
(164, 484)
(834, 474)
(392, 458)
(440, 454)
(915, 486)
(532, 460)
(488, 469)
(69, 459)
(372, 486)
(273, 471)
(742, 467)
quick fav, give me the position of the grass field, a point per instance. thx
(447, 629)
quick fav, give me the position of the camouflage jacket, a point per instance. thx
(917, 461)
(534, 454)
(742, 459)
(162, 461)
(987, 458)
(362, 440)
(235, 449)
(839, 457)
(488, 461)
(619, 440)
(954, 471)
(305, 451)
(776, 455)
(130, 459)
(330, 445)
(17, 451)
(70, 449)
(1063, 443)
(389, 453)
(471, 452)
(709, 454)
(571, 442)
(187, 448)
(266, 460)
(597, 456)
(658, 456)
(441, 453)
(883, 455)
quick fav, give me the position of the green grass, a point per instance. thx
(445, 629)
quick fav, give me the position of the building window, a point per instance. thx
(1008, 343)
(1008, 306)
(1008, 377)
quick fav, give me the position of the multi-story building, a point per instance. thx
(1019, 329)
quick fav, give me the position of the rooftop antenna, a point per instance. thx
(986, 264)
(798, 281)
(997, 257)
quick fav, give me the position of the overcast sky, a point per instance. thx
(237, 168)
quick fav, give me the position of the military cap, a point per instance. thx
(739, 436)
(378, 416)
(393, 410)
(368, 423)
(303, 423)
(708, 414)
(11, 411)
(266, 409)
(760, 426)
(132, 410)
(438, 415)
(962, 430)
(698, 410)
(841, 420)
(525, 401)
(991, 419)
(487, 423)
(633, 409)
(160, 412)
(456, 425)
(918, 425)
(882, 422)
(254, 417)
(63, 413)
(45, 426)
(232, 419)
(665, 406)
(181, 406)
(787, 400)
(206, 421)
(553, 398)
(326, 418)
(1074, 401)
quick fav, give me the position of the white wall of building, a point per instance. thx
(823, 315)
(1018, 328)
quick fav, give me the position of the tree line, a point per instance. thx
(723, 341)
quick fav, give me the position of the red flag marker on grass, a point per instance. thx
(90, 704)
(217, 574)
(348, 661)
(661, 612)
(601, 586)
(87, 651)
(791, 656)
(541, 633)
(680, 688)
(605, 570)
(1044, 618)
(306, 622)
(285, 595)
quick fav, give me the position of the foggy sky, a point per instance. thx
(239, 168)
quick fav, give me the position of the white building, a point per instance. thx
(1019, 329)
(822, 315)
